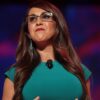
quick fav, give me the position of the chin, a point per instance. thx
(42, 41)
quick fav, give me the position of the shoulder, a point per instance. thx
(86, 71)
(10, 73)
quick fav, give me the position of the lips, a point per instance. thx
(39, 29)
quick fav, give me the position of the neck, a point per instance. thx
(46, 53)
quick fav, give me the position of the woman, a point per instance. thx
(47, 66)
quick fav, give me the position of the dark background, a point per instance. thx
(83, 18)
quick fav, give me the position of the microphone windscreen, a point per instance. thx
(49, 63)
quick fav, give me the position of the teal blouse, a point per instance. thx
(52, 84)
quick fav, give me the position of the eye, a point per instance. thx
(32, 18)
(47, 15)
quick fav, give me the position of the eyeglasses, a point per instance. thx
(45, 16)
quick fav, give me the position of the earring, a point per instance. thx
(31, 45)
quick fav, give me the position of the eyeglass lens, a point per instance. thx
(45, 16)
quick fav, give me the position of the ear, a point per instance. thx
(56, 34)
(29, 36)
(57, 30)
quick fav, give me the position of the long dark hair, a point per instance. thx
(27, 58)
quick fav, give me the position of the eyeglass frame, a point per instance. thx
(50, 14)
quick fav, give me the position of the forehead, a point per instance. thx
(36, 11)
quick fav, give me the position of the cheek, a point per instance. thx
(52, 28)
(30, 29)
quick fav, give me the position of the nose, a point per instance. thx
(39, 21)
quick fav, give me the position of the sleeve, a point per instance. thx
(10, 73)
(86, 71)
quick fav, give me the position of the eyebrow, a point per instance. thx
(37, 15)
(32, 15)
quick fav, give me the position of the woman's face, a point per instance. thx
(41, 25)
